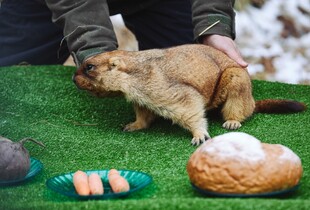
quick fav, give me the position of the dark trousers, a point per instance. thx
(28, 35)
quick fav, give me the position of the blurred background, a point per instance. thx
(272, 35)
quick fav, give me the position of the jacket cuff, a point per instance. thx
(225, 27)
(81, 56)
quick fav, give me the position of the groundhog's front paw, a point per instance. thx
(200, 138)
(134, 126)
(232, 124)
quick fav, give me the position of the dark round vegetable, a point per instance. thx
(14, 158)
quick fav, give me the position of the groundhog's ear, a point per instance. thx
(117, 62)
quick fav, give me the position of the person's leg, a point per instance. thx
(27, 34)
(165, 24)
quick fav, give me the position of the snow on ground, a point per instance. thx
(275, 40)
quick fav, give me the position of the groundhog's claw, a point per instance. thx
(197, 140)
(137, 125)
(232, 124)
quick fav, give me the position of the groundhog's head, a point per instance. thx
(98, 73)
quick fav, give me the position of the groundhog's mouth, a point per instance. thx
(83, 83)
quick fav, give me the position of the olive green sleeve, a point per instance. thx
(87, 31)
(207, 12)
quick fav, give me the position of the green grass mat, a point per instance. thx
(84, 132)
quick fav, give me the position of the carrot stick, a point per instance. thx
(80, 182)
(117, 182)
(95, 184)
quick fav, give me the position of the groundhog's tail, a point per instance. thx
(279, 106)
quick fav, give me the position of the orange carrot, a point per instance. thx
(80, 182)
(113, 172)
(95, 184)
(117, 182)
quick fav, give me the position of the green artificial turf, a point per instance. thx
(83, 132)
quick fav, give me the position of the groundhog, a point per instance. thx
(179, 83)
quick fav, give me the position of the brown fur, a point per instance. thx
(178, 83)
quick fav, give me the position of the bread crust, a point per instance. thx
(278, 168)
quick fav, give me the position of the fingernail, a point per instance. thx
(243, 64)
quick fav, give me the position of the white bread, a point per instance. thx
(238, 163)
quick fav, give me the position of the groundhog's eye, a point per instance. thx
(89, 67)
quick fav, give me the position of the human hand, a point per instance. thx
(227, 46)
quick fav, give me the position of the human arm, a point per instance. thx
(220, 35)
(87, 26)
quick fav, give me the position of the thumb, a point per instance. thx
(234, 54)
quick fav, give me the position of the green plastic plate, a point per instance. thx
(35, 167)
(63, 184)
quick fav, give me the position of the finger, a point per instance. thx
(234, 54)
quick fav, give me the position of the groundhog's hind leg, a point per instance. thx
(239, 103)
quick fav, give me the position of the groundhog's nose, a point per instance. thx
(78, 72)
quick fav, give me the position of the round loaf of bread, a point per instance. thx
(238, 163)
